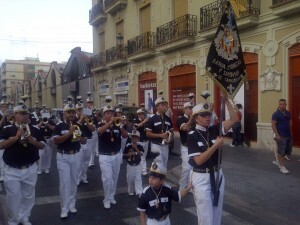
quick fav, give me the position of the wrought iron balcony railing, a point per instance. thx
(141, 43)
(280, 2)
(115, 53)
(182, 27)
(210, 14)
(96, 11)
(98, 60)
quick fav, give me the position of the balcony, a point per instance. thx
(210, 16)
(112, 6)
(285, 7)
(141, 46)
(53, 90)
(97, 15)
(98, 62)
(177, 33)
(116, 56)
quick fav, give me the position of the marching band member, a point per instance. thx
(119, 113)
(46, 126)
(184, 122)
(110, 157)
(90, 105)
(3, 123)
(88, 128)
(140, 124)
(67, 136)
(203, 149)
(21, 142)
(132, 154)
(160, 130)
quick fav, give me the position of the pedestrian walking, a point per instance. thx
(282, 127)
(237, 127)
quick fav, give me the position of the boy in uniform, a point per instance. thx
(156, 199)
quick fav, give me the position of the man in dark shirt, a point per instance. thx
(3, 123)
(282, 127)
(160, 131)
(184, 122)
(67, 136)
(21, 143)
(110, 155)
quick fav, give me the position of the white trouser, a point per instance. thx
(123, 143)
(1, 163)
(45, 154)
(155, 222)
(186, 168)
(68, 169)
(110, 168)
(86, 151)
(203, 196)
(20, 192)
(163, 156)
(134, 179)
(94, 147)
(145, 145)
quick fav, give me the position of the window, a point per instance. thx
(103, 88)
(122, 99)
(122, 86)
(145, 19)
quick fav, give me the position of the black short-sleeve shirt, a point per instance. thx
(5, 122)
(46, 131)
(197, 143)
(158, 125)
(63, 128)
(142, 130)
(110, 140)
(148, 201)
(17, 154)
(134, 159)
(183, 134)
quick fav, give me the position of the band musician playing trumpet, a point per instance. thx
(110, 155)
(21, 143)
(160, 130)
(67, 136)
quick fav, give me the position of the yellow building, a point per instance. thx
(142, 46)
(17, 75)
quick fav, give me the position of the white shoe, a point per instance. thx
(131, 193)
(73, 210)
(63, 215)
(113, 201)
(25, 222)
(1, 178)
(284, 170)
(47, 171)
(39, 172)
(85, 181)
(275, 162)
(106, 205)
(231, 145)
(287, 158)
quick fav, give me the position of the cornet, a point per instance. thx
(26, 134)
(89, 121)
(168, 139)
(117, 121)
(76, 133)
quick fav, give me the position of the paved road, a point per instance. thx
(256, 194)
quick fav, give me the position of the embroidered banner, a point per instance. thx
(225, 62)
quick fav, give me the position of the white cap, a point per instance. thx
(140, 111)
(3, 102)
(69, 107)
(134, 133)
(188, 104)
(160, 100)
(202, 107)
(108, 108)
(89, 99)
(119, 110)
(157, 170)
(20, 108)
(79, 106)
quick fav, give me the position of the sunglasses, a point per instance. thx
(205, 114)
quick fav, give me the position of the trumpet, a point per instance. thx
(26, 134)
(118, 120)
(168, 139)
(76, 133)
(45, 120)
(89, 121)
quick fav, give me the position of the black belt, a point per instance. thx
(144, 140)
(69, 152)
(133, 164)
(108, 153)
(162, 218)
(156, 143)
(205, 170)
(185, 145)
(89, 137)
(47, 137)
(21, 167)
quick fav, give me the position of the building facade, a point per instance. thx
(17, 77)
(142, 46)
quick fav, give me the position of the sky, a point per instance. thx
(47, 29)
